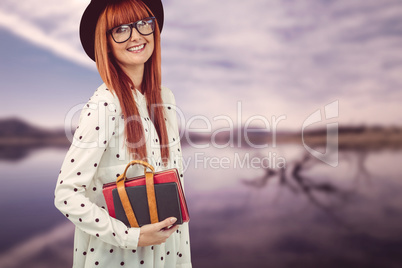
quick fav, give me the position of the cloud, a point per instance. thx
(51, 25)
(288, 57)
(278, 57)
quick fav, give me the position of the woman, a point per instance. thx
(129, 117)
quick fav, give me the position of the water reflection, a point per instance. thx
(305, 213)
(15, 153)
(309, 214)
(327, 195)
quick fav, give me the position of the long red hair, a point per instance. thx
(117, 81)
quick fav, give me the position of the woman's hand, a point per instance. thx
(156, 233)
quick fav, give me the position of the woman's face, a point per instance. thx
(135, 51)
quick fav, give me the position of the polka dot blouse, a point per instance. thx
(98, 154)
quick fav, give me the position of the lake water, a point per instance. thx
(307, 214)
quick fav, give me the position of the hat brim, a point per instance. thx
(93, 11)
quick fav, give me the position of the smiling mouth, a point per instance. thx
(136, 48)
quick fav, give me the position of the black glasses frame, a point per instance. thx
(132, 25)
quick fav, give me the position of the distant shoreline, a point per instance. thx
(367, 139)
(24, 141)
(348, 138)
(17, 133)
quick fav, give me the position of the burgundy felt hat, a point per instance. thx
(90, 18)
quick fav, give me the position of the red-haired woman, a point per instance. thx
(131, 116)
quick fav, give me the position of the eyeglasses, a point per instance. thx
(122, 33)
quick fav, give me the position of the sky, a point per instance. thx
(239, 60)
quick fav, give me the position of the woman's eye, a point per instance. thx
(121, 29)
(143, 24)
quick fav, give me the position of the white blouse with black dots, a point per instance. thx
(98, 155)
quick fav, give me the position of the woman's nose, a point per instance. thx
(135, 34)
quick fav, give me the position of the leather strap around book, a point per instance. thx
(125, 201)
(153, 211)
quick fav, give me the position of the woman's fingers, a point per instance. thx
(157, 233)
(166, 223)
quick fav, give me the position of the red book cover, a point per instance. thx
(163, 177)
